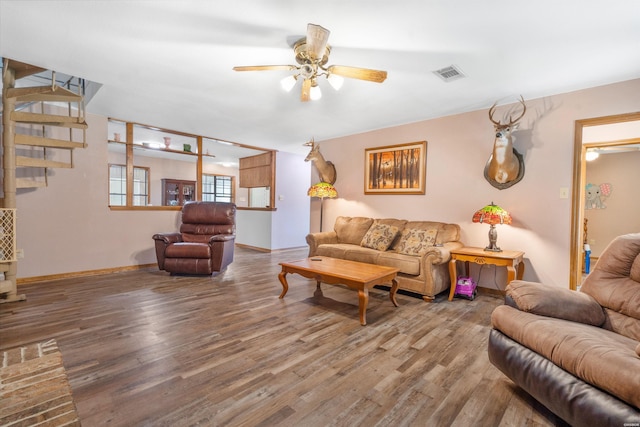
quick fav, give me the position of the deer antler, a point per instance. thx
(524, 110)
(511, 121)
(311, 143)
(491, 111)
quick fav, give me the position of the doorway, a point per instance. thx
(630, 136)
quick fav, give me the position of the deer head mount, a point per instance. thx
(505, 166)
(326, 170)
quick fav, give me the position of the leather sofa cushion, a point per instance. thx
(615, 284)
(598, 356)
(351, 229)
(553, 301)
(188, 250)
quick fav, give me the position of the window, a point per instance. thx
(118, 185)
(217, 188)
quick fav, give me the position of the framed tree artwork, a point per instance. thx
(396, 169)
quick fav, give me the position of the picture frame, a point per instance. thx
(396, 169)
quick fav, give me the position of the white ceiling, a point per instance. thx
(169, 63)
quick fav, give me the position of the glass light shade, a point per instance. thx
(335, 81)
(492, 214)
(322, 190)
(288, 83)
(315, 93)
(592, 155)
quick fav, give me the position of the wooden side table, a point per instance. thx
(513, 260)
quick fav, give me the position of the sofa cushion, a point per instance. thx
(615, 284)
(597, 356)
(416, 242)
(553, 301)
(400, 223)
(351, 229)
(379, 236)
(446, 232)
(333, 250)
(407, 264)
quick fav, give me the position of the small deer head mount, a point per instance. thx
(326, 170)
(505, 166)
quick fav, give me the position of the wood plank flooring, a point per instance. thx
(144, 348)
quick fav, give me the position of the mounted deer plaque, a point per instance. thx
(326, 170)
(505, 166)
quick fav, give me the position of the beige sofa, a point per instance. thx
(419, 249)
(577, 353)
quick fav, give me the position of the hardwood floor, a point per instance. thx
(144, 348)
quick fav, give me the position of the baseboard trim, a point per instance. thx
(255, 248)
(34, 279)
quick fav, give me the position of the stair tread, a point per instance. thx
(38, 141)
(40, 163)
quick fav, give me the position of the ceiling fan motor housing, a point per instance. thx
(302, 57)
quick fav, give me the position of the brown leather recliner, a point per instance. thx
(205, 242)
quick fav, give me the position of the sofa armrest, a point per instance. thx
(316, 239)
(168, 238)
(440, 254)
(553, 301)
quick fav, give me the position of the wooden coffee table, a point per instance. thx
(356, 275)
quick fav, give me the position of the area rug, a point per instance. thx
(34, 389)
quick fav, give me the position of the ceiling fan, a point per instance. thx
(312, 54)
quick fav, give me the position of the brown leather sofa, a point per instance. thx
(577, 353)
(205, 242)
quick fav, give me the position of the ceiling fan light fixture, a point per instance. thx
(288, 83)
(335, 81)
(315, 92)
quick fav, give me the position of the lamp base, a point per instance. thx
(493, 238)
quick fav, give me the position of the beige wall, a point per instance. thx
(622, 212)
(67, 227)
(458, 148)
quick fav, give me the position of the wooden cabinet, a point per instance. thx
(176, 192)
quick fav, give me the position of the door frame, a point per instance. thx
(579, 182)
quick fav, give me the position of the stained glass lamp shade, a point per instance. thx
(492, 215)
(322, 190)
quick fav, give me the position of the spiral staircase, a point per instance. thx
(35, 138)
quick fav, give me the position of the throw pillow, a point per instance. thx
(379, 237)
(416, 242)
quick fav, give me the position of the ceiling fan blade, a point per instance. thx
(358, 73)
(305, 95)
(264, 67)
(317, 38)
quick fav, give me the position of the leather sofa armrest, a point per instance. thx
(222, 238)
(316, 239)
(168, 237)
(553, 301)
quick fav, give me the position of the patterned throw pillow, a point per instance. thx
(379, 237)
(416, 242)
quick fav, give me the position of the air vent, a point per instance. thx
(449, 74)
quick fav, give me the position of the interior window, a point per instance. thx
(217, 188)
(118, 185)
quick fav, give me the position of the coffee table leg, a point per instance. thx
(285, 286)
(363, 301)
(392, 292)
